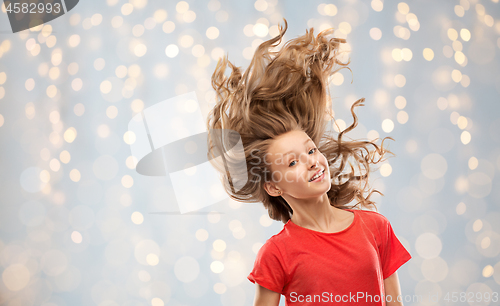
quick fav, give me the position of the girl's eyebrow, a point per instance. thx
(292, 150)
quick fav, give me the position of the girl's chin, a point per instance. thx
(323, 185)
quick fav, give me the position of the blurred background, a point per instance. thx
(79, 225)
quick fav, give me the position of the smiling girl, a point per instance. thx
(305, 177)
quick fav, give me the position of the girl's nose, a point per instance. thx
(315, 164)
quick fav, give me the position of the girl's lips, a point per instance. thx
(319, 178)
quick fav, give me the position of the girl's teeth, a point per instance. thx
(318, 175)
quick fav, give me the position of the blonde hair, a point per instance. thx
(282, 91)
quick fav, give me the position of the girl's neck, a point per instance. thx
(317, 215)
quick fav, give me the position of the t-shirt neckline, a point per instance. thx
(290, 223)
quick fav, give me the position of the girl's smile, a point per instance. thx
(318, 176)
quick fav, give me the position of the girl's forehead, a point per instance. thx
(289, 144)
(291, 137)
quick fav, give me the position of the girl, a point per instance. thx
(327, 251)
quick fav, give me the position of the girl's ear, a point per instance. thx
(271, 189)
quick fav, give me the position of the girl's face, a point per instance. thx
(294, 160)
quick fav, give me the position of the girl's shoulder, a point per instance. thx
(375, 218)
(376, 223)
(273, 248)
(370, 213)
(275, 239)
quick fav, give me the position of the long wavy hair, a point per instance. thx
(282, 91)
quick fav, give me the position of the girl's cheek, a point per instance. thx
(298, 179)
(291, 177)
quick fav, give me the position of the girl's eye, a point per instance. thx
(314, 149)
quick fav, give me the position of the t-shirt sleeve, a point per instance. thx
(393, 254)
(268, 270)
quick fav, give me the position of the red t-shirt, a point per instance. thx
(344, 268)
